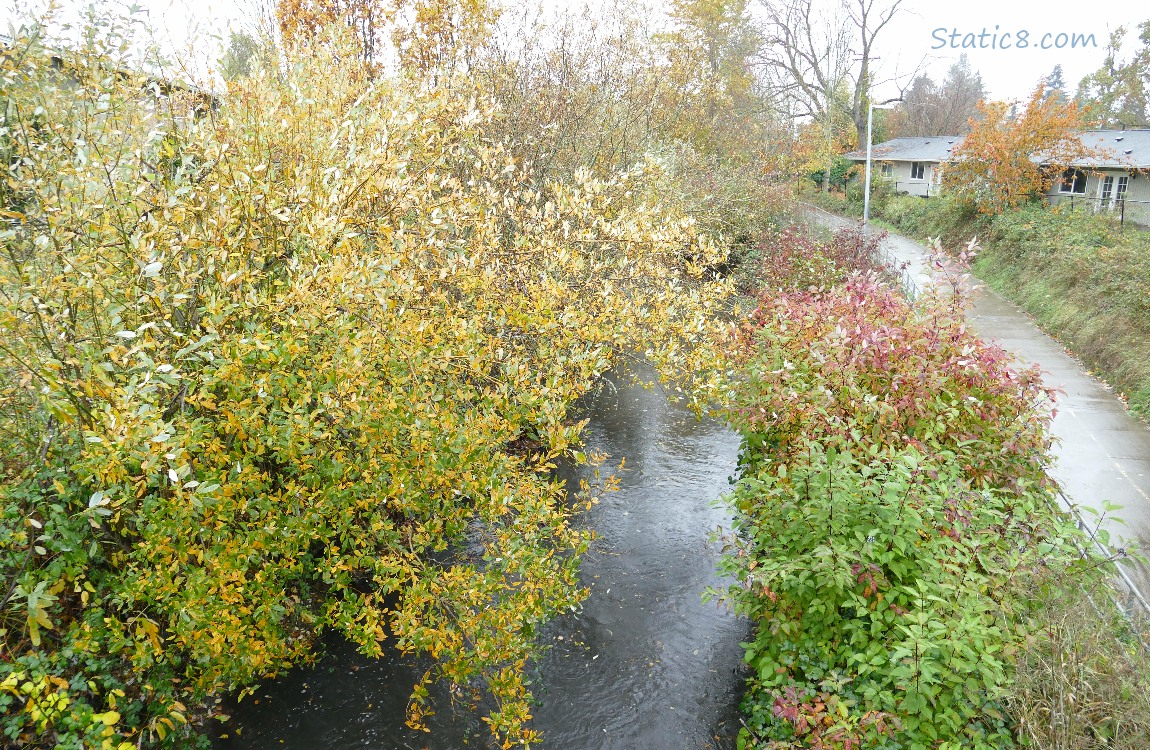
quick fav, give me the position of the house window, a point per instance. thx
(917, 170)
(1073, 181)
(1107, 189)
(888, 170)
(1120, 193)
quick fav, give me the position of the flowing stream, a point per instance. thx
(644, 663)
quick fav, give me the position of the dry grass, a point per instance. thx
(1084, 681)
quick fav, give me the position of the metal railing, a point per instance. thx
(905, 280)
(1125, 595)
(1124, 209)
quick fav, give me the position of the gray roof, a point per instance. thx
(933, 148)
(1119, 148)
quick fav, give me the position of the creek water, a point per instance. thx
(644, 663)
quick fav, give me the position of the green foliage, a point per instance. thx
(892, 514)
(244, 56)
(942, 216)
(833, 201)
(884, 590)
(1117, 95)
(733, 201)
(881, 192)
(841, 172)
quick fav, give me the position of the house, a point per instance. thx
(912, 165)
(156, 93)
(1117, 179)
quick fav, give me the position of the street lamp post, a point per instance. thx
(869, 140)
(866, 182)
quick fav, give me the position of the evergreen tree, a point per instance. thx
(241, 58)
(1056, 85)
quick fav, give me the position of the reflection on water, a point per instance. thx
(645, 664)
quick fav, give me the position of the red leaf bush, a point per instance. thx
(856, 364)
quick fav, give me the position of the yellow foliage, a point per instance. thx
(307, 357)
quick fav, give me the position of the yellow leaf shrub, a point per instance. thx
(303, 357)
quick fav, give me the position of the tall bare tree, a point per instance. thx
(929, 109)
(869, 18)
(805, 61)
(806, 56)
(809, 53)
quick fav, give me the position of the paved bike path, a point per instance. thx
(1102, 453)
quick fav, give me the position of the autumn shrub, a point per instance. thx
(298, 358)
(798, 257)
(857, 362)
(732, 200)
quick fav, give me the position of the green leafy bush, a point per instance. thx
(937, 216)
(841, 172)
(884, 590)
(881, 192)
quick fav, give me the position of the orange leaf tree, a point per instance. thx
(1010, 157)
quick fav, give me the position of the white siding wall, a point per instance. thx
(1138, 200)
(904, 184)
(1137, 208)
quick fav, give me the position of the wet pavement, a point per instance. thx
(1102, 453)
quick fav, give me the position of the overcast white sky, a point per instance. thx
(1009, 73)
(922, 31)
